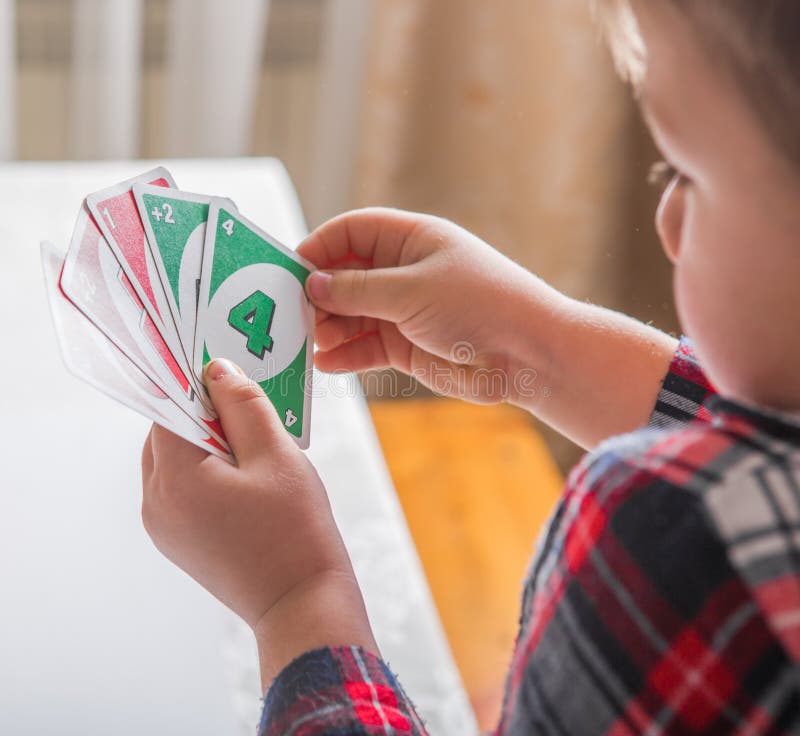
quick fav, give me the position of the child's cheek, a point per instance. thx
(718, 295)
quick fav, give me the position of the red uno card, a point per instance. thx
(115, 212)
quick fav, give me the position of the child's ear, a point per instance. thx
(669, 218)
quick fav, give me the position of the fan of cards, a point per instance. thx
(156, 282)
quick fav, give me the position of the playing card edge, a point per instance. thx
(106, 331)
(308, 387)
(157, 172)
(138, 190)
(205, 283)
(49, 251)
(174, 193)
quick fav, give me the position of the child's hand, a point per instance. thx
(260, 536)
(419, 294)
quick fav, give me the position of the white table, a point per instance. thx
(98, 633)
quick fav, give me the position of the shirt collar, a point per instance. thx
(779, 424)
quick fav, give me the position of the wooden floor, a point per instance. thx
(476, 484)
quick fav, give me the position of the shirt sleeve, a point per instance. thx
(684, 391)
(342, 690)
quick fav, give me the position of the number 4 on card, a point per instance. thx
(253, 318)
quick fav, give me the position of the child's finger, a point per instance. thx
(362, 354)
(252, 426)
(320, 315)
(336, 330)
(382, 292)
(375, 234)
(384, 349)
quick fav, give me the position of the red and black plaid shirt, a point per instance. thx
(664, 597)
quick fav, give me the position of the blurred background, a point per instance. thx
(505, 116)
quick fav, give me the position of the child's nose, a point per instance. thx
(669, 218)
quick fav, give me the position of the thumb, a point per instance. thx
(251, 424)
(378, 292)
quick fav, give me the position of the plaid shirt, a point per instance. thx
(664, 598)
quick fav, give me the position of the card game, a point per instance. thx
(456, 189)
(157, 282)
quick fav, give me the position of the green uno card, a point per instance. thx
(252, 309)
(175, 225)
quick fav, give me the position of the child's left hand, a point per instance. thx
(260, 536)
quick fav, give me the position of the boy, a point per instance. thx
(665, 596)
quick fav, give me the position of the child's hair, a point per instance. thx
(757, 41)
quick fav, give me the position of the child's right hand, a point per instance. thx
(419, 294)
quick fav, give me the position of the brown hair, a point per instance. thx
(758, 42)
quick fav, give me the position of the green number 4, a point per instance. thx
(253, 318)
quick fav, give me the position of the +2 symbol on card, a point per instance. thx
(165, 212)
